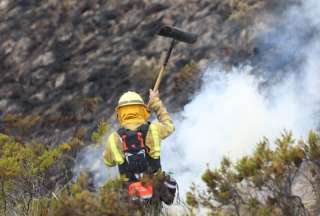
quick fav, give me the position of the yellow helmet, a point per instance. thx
(130, 98)
(131, 108)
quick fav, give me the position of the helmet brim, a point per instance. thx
(130, 104)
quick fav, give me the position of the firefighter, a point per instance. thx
(135, 146)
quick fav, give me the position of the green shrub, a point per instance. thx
(263, 183)
(81, 199)
(27, 172)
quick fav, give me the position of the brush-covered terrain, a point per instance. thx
(64, 64)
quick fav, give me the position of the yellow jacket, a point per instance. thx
(113, 154)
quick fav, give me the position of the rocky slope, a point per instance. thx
(63, 64)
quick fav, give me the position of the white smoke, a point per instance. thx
(230, 115)
(90, 160)
(232, 112)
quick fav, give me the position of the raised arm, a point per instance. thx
(165, 123)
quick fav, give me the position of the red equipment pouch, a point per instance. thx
(137, 190)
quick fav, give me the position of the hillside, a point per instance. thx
(64, 64)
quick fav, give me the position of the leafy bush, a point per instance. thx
(81, 199)
(102, 129)
(263, 183)
(26, 172)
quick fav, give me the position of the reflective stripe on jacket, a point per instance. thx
(113, 154)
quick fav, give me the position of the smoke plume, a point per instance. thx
(235, 109)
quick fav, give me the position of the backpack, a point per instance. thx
(137, 160)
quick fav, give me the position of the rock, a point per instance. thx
(59, 80)
(8, 46)
(44, 59)
(40, 96)
(3, 104)
(65, 33)
(88, 88)
(13, 108)
(4, 4)
(20, 51)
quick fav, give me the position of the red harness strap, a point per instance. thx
(124, 143)
(140, 138)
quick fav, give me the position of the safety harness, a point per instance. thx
(137, 159)
(138, 162)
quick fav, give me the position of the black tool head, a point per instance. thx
(177, 34)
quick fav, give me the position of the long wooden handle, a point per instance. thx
(157, 84)
(160, 75)
(163, 68)
(164, 65)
